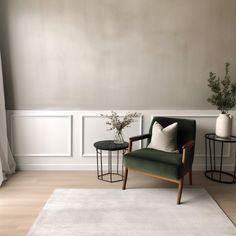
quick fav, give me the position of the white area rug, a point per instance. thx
(131, 212)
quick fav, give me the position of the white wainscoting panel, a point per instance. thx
(63, 139)
(94, 128)
(205, 124)
(41, 135)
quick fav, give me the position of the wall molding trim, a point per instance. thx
(98, 116)
(195, 116)
(68, 152)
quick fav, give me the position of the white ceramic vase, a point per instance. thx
(223, 125)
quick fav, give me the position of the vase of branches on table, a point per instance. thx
(224, 98)
(118, 123)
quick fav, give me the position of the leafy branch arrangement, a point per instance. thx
(117, 123)
(223, 91)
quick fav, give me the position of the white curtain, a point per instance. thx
(7, 163)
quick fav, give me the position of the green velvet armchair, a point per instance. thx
(169, 166)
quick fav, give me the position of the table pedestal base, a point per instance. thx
(113, 170)
(210, 174)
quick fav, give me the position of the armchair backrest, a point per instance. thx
(186, 129)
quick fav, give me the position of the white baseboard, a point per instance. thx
(88, 167)
(62, 167)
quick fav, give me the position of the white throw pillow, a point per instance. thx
(164, 139)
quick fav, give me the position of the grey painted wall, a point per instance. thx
(114, 54)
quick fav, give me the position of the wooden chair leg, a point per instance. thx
(125, 179)
(180, 188)
(190, 178)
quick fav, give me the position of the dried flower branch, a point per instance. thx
(117, 123)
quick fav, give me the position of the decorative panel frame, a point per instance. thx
(83, 130)
(16, 142)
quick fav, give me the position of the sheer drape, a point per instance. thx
(7, 163)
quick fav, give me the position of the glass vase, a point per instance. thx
(118, 139)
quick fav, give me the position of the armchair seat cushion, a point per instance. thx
(166, 164)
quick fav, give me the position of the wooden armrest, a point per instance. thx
(137, 138)
(187, 145)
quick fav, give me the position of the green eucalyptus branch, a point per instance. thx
(223, 91)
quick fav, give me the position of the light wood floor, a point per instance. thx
(26, 192)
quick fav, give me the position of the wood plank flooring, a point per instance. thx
(25, 193)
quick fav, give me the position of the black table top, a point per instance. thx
(109, 145)
(214, 137)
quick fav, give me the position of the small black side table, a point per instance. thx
(110, 146)
(214, 171)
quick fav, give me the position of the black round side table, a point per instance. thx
(110, 146)
(214, 165)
